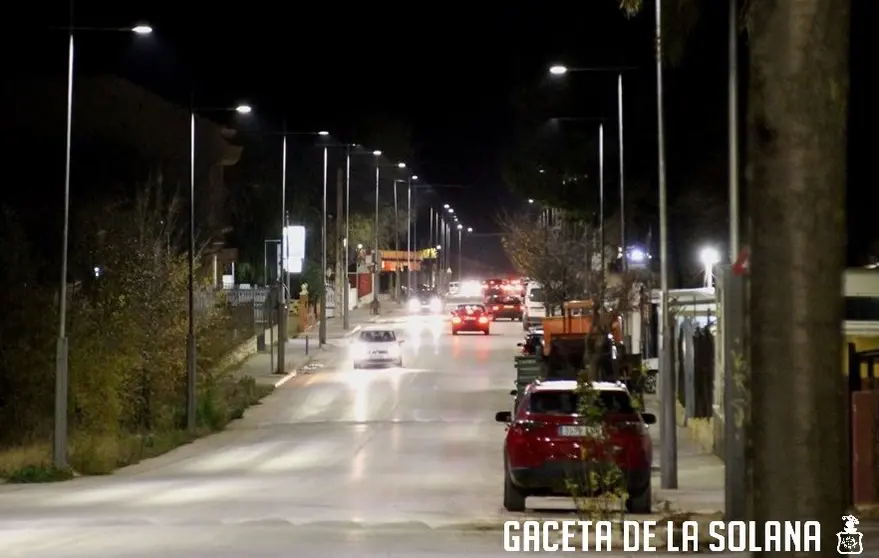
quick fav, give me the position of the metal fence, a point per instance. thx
(244, 307)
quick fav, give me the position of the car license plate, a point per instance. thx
(579, 431)
(470, 319)
(509, 306)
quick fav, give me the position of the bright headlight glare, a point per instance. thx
(436, 304)
(414, 304)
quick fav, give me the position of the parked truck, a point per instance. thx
(569, 345)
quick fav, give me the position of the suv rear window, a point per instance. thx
(566, 402)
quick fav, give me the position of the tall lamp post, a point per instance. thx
(460, 232)
(346, 317)
(59, 443)
(322, 332)
(397, 241)
(284, 275)
(191, 383)
(376, 269)
(601, 226)
(561, 70)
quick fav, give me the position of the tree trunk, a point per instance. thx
(797, 105)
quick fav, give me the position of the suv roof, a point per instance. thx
(571, 385)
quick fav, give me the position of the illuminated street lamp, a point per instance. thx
(445, 206)
(59, 442)
(710, 257)
(558, 70)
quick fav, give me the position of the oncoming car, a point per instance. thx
(546, 440)
(471, 317)
(377, 346)
(426, 301)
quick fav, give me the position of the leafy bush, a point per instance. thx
(127, 323)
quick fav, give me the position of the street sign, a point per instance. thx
(293, 249)
(742, 264)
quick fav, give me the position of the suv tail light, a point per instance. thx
(633, 441)
(483, 320)
(456, 320)
(518, 444)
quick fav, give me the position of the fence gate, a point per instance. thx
(687, 360)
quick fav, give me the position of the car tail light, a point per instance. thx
(483, 320)
(632, 444)
(495, 307)
(518, 444)
(456, 320)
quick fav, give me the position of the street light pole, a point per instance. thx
(668, 422)
(322, 333)
(622, 182)
(283, 285)
(460, 232)
(601, 202)
(431, 244)
(59, 441)
(396, 244)
(347, 293)
(190, 335)
(59, 445)
(409, 235)
(375, 276)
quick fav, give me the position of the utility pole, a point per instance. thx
(668, 428)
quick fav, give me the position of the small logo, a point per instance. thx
(850, 540)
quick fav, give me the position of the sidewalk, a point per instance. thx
(304, 351)
(700, 473)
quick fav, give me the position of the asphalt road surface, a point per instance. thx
(391, 462)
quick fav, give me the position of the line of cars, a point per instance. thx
(550, 447)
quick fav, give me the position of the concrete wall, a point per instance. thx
(248, 348)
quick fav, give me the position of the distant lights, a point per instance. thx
(377, 153)
(243, 109)
(323, 133)
(401, 165)
(558, 70)
(142, 29)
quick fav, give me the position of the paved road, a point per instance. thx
(340, 461)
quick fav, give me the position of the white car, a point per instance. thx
(377, 346)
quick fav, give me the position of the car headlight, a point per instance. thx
(436, 304)
(414, 304)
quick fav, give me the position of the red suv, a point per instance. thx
(545, 440)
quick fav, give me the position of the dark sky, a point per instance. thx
(448, 69)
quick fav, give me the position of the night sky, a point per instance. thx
(446, 69)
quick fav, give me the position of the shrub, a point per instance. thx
(127, 350)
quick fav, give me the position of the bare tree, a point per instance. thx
(552, 252)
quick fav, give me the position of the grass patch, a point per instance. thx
(101, 454)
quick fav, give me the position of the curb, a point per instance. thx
(293, 373)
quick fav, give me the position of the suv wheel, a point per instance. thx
(514, 497)
(640, 503)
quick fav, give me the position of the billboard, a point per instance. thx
(293, 249)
